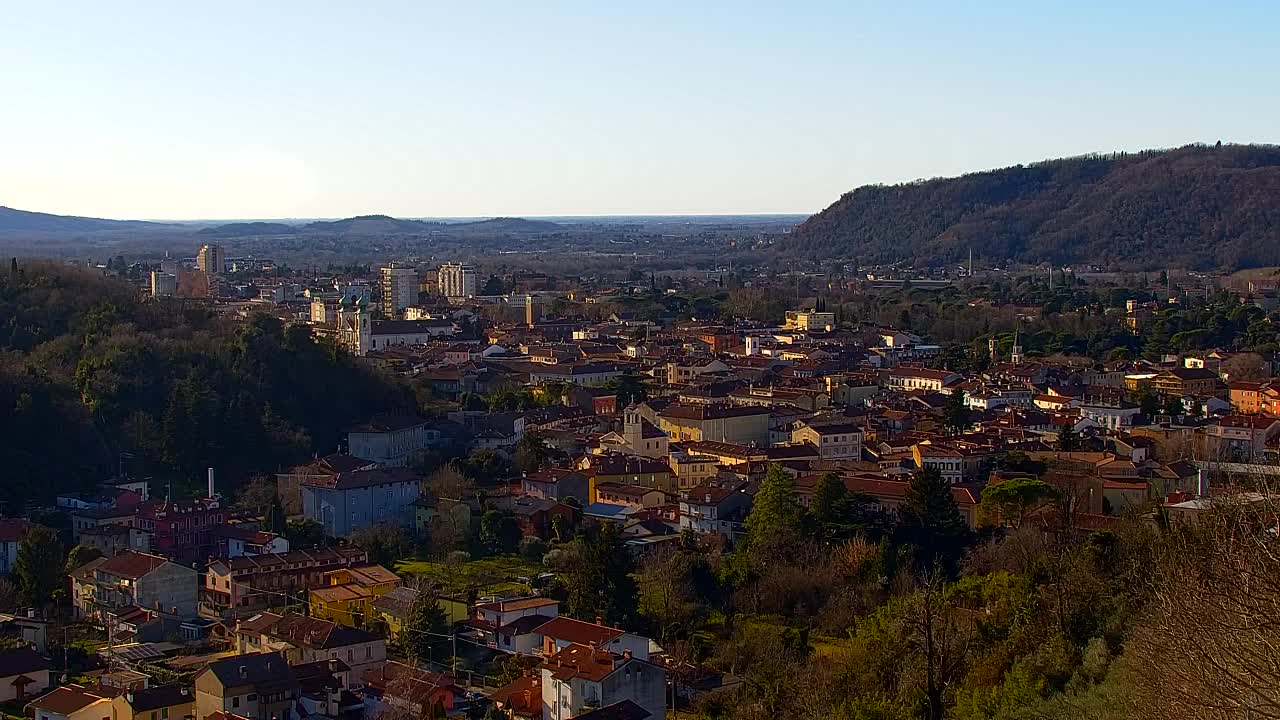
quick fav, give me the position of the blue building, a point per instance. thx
(349, 501)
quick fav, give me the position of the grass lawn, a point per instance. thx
(489, 575)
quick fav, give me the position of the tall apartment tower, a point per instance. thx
(457, 280)
(399, 290)
(211, 259)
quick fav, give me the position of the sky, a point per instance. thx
(327, 109)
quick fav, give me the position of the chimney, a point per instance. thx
(211, 495)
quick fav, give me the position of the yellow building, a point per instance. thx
(693, 470)
(686, 422)
(627, 470)
(396, 609)
(163, 702)
(348, 597)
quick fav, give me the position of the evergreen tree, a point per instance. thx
(930, 522)
(827, 494)
(598, 579)
(427, 623)
(775, 510)
(956, 412)
(40, 566)
(1068, 439)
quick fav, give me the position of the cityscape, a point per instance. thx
(979, 423)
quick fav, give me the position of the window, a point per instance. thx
(164, 713)
(251, 697)
(235, 702)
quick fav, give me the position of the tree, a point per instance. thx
(427, 626)
(629, 388)
(385, 542)
(956, 412)
(493, 286)
(500, 532)
(304, 534)
(449, 482)
(596, 571)
(532, 453)
(40, 566)
(829, 491)
(775, 510)
(257, 494)
(80, 555)
(930, 522)
(1068, 439)
(1013, 498)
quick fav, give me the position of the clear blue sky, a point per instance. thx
(301, 109)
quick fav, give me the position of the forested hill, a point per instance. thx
(1195, 207)
(88, 372)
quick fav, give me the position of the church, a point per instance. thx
(360, 334)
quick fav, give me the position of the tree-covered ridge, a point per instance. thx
(88, 371)
(1194, 207)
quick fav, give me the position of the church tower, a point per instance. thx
(1015, 357)
(355, 328)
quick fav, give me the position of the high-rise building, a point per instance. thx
(211, 259)
(163, 284)
(457, 280)
(399, 290)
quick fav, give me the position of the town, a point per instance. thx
(628, 494)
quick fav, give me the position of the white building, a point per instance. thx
(580, 678)
(360, 334)
(457, 280)
(399, 290)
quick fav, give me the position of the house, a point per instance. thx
(163, 702)
(260, 686)
(626, 470)
(234, 541)
(562, 631)
(537, 518)
(289, 484)
(302, 639)
(580, 678)
(1182, 381)
(12, 532)
(391, 440)
(521, 699)
(634, 496)
(410, 691)
(513, 625)
(715, 508)
(351, 501)
(556, 484)
(638, 437)
(691, 469)
(909, 378)
(243, 585)
(72, 702)
(94, 517)
(114, 539)
(138, 580)
(834, 440)
(621, 710)
(348, 597)
(1241, 437)
(23, 673)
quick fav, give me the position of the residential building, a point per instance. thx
(718, 422)
(242, 586)
(400, 690)
(581, 678)
(23, 674)
(692, 470)
(256, 687)
(556, 484)
(399, 287)
(72, 702)
(396, 608)
(1182, 381)
(391, 440)
(183, 531)
(834, 440)
(302, 639)
(717, 508)
(163, 702)
(1240, 437)
(12, 532)
(638, 437)
(810, 320)
(626, 470)
(349, 501)
(211, 259)
(163, 284)
(138, 580)
(289, 484)
(908, 378)
(457, 280)
(348, 597)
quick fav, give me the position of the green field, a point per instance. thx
(489, 575)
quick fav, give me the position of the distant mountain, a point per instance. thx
(506, 225)
(371, 225)
(1194, 207)
(248, 229)
(12, 220)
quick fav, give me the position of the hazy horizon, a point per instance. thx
(315, 110)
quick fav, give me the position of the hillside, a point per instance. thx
(12, 220)
(1194, 207)
(371, 225)
(505, 225)
(249, 228)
